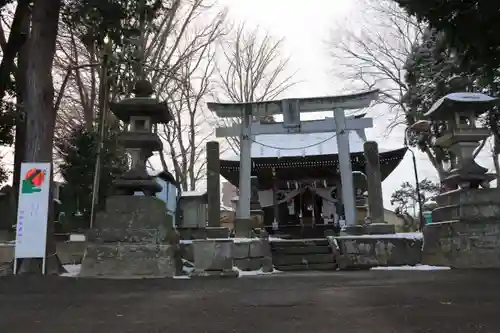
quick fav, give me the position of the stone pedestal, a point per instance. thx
(133, 238)
(374, 180)
(243, 228)
(213, 258)
(465, 232)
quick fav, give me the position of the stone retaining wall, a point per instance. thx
(253, 255)
(362, 252)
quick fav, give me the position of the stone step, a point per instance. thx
(299, 243)
(302, 250)
(308, 267)
(280, 260)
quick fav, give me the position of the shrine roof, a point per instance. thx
(300, 145)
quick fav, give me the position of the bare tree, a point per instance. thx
(187, 134)
(174, 53)
(373, 53)
(253, 68)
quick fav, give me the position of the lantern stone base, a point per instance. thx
(133, 238)
(129, 261)
(463, 243)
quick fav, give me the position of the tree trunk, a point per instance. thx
(20, 138)
(40, 112)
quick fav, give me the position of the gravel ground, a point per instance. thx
(351, 302)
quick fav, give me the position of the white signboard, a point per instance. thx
(33, 211)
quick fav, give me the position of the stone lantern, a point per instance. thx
(134, 236)
(461, 136)
(465, 228)
(141, 115)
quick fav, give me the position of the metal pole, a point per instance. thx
(103, 106)
(417, 182)
(245, 189)
(345, 168)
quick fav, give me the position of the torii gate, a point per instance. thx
(291, 109)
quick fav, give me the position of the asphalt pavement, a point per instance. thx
(351, 302)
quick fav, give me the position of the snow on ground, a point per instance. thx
(406, 235)
(72, 270)
(410, 268)
(254, 273)
(235, 240)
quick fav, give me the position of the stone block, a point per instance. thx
(191, 233)
(353, 230)
(243, 228)
(380, 229)
(249, 264)
(7, 253)
(254, 248)
(131, 219)
(213, 255)
(130, 261)
(217, 232)
(71, 252)
(241, 250)
(260, 248)
(463, 244)
(468, 196)
(186, 251)
(366, 252)
(470, 211)
(331, 266)
(303, 259)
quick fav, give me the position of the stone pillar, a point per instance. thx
(374, 179)
(213, 183)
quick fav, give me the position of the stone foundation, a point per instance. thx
(213, 258)
(463, 244)
(133, 238)
(362, 252)
(253, 255)
(129, 261)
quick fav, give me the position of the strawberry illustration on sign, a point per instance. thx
(33, 181)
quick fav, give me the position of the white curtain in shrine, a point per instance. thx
(266, 197)
(327, 194)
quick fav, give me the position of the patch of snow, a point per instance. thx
(193, 194)
(254, 273)
(182, 277)
(235, 240)
(406, 235)
(72, 270)
(77, 238)
(411, 268)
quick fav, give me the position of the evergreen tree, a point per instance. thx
(79, 153)
(470, 28)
